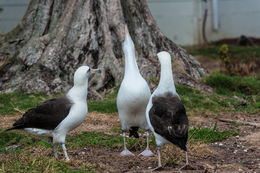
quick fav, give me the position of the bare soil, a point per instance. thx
(236, 154)
(212, 65)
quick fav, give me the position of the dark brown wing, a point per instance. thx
(168, 118)
(47, 115)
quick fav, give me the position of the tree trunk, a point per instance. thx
(55, 37)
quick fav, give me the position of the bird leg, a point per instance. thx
(159, 167)
(147, 152)
(65, 152)
(125, 152)
(55, 150)
(187, 161)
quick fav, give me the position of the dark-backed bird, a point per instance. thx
(165, 113)
(132, 98)
(54, 118)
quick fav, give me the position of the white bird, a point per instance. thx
(132, 98)
(165, 113)
(56, 117)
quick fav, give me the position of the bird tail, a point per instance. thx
(19, 124)
(180, 134)
(178, 130)
(13, 128)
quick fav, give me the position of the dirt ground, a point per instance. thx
(212, 65)
(239, 153)
(236, 154)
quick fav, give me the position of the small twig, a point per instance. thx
(238, 121)
(17, 109)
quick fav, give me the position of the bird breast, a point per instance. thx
(76, 116)
(133, 93)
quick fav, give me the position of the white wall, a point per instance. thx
(181, 20)
(177, 19)
(237, 17)
(12, 13)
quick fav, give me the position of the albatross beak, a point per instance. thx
(126, 31)
(95, 70)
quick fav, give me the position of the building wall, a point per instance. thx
(236, 17)
(12, 13)
(180, 20)
(177, 19)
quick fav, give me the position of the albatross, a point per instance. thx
(55, 117)
(165, 113)
(132, 98)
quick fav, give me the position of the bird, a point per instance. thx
(54, 118)
(165, 112)
(132, 98)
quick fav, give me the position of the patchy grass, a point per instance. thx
(197, 101)
(18, 141)
(194, 100)
(209, 135)
(108, 105)
(227, 85)
(23, 141)
(23, 158)
(211, 51)
(26, 163)
(247, 88)
(11, 103)
(15, 102)
(100, 139)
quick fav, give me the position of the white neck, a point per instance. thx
(131, 67)
(130, 64)
(78, 93)
(166, 83)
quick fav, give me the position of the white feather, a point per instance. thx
(78, 112)
(166, 84)
(134, 92)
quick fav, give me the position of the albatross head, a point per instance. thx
(82, 75)
(128, 44)
(164, 57)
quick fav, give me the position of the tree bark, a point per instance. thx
(55, 37)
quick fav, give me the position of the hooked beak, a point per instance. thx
(126, 31)
(95, 70)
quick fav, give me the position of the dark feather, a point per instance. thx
(47, 115)
(168, 118)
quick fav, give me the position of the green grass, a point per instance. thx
(209, 135)
(193, 99)
(20, 140)
(22, 101)
(196, 101)
(107, 106)
(92, 139)
(227, 85)
(21, 159)
(11, 103)
(26, 163)
(211, 51)
(99, 139)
